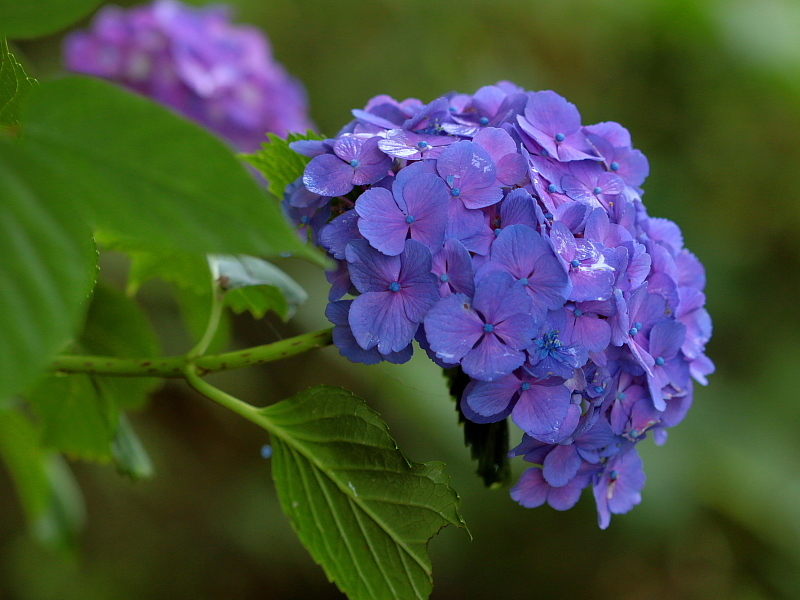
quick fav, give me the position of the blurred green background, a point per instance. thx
(711, 93)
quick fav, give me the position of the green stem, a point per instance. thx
(176, 366)
(213, 324)
(248, 411)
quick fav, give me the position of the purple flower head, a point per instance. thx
(523, 256)
(194, 60)
(523, 253)
(486, 335)
(416, 208)
(354, 162)
(550, 355)
(396, 294)
(618, 488)
(555, 125)
(470, 173)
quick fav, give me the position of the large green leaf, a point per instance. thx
(117, 326)
(280, 164)
(14, 85)
(364, 512)
(77, 415)
(150, 178)
(32, 18)
(46, 488)
(46, 273)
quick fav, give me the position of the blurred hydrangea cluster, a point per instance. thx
(192, 59)
(511, 241)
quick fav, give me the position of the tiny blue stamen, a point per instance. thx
(305, 219)
(525, 386)
(410, 219)
(634, 433)
(598, 389)
(545, 153)
(560, 137)
(621, 396)
(633, 331)
(552, 188)
(598, 190)
(444, 278)
(488, 328)
(497, 231)
(575, 262)
(394, 286)
(422, 145)
(614, 166)
(614, 474)
(638, 325)
(524, 280)
(548, 216)
(660, 361)
(484, 121)
(354, 163)
(577, 312)
(455, 192)
(266, 451)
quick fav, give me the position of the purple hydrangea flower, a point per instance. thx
(511, 242)
(194, 60)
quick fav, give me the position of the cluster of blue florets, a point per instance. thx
(508, 239)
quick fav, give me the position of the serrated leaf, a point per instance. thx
(47, 491)
(129, 454)
(148, 177)
(47, 270)
(280, 164)
(258, 301)
(361, 508)
(77, 415)
(117, 326)
(488, 442)
(32, 18)
(187, 271)
(253, 282)
(14, 85)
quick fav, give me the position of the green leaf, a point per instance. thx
(280, 164)
(47, 269)
(258, 301)
(256, 285)
(52, 502)
(14, 85)
(187, 271)
(117, 326)
(32, 18)
(363, 511)
(77, 415)
(488, 442)
(148, 177)
(129, 454)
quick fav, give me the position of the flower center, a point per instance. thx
(354, 163)
(410, 219)
(484, 121)
(394, 286)
(488, 328)
(577, 312)
(560, 137)
(444, 278)
(598, 190)
(552, 188)
(422, 145)
(660, 361)
(614, 166)
(575, 262)
(525, 386)
(455, 192)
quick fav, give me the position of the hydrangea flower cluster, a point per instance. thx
(508, 239)
(194, 60)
